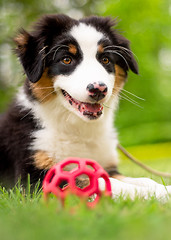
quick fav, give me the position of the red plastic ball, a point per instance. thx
(58, 175)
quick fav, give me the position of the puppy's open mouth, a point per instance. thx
(89, 110)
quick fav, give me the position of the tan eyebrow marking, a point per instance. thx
(72, 49)
(101, 48)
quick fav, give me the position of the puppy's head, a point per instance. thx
(80, 63)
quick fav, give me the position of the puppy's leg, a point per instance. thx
(135, 187)
(120, 188)
(148, 183)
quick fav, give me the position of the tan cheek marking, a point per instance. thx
(42, 160)
(120, 78)
(43, 89)
(72, 49)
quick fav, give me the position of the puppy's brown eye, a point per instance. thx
(67, 60)
(105, 60)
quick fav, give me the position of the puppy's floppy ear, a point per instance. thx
(30, 53)
(32, 48)
(125, 58)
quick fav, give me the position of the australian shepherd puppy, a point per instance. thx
(74, 70)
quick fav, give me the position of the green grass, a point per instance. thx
(26, 216)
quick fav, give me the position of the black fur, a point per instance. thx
(16, 127)
(36, 51)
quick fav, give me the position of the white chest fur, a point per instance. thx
(65, 135)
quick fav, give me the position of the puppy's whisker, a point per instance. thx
(126, 50)
(123, 94)
(40, 102)
(69, 115)
(58, 50)
(122, 89)
(125, 98)
(42, 49)
(104, 105)
(133, 95)
(47, 96)
(117, 46)
(43, 87)
(54, 49)
(115, 52)
(26, 115)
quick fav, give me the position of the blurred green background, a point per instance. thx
(147, 24)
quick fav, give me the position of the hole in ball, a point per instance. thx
(82, 181)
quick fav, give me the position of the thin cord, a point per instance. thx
(147, 168)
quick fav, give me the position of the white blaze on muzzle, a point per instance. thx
(89, 71)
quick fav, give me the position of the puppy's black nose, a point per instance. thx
(97, 90)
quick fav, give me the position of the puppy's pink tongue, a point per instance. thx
(88, 107)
